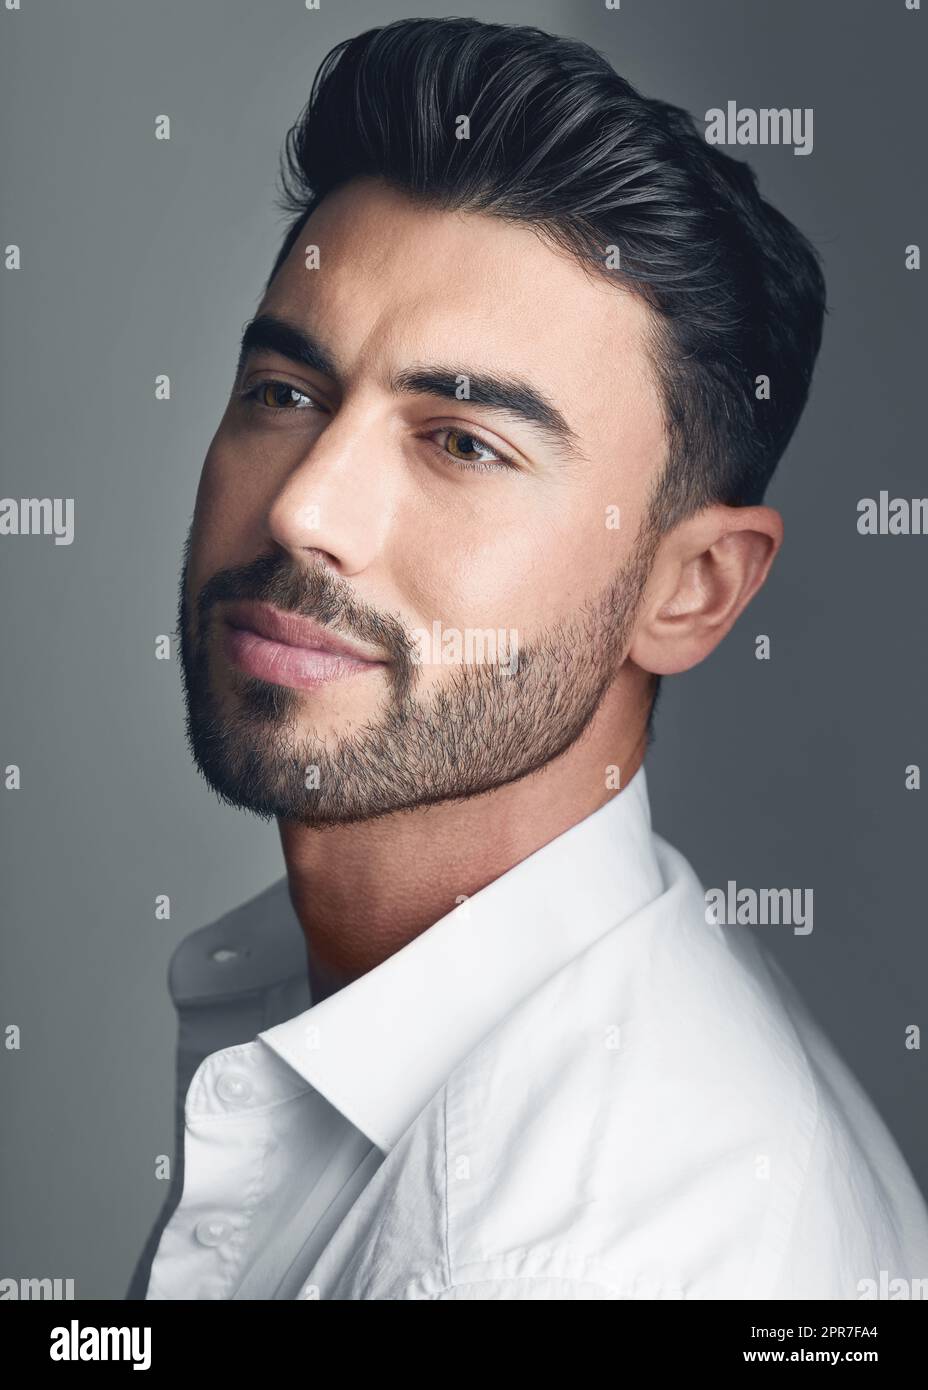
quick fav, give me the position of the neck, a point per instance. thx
(362, 891)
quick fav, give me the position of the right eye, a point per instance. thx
(273, 394)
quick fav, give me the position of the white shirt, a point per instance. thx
(571, 1086)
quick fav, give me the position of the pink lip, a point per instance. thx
(286, 649)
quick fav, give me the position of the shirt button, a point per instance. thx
(211, 1230)
(232, 1085)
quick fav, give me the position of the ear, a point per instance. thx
(705, 573)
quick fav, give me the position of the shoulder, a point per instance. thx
(661, 1119)
(644, 1122)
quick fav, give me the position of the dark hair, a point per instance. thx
(560, 141)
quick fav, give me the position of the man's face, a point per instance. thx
(451, 484)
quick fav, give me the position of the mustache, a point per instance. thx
(310, 593)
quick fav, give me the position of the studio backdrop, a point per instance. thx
(793, 756)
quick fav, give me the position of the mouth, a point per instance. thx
(290, 650)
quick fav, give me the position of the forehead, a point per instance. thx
(401, 283)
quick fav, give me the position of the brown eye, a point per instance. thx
(468, 448)
(278, 395)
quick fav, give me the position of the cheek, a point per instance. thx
(210, 539)
(463, 574)
(523, 571)
(572, 564)
(227, 511)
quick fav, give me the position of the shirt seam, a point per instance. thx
(447, 1192)
(776, 1277)
(812, 1133)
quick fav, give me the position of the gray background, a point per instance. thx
(142, 257)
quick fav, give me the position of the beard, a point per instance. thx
(482, 728)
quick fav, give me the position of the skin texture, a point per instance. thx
(350, 504)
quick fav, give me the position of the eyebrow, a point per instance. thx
(513, 395)
(267, 333)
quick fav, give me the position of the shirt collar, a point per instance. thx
(380, 1047)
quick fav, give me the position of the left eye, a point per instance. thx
(469, 448)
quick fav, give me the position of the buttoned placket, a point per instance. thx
(227, 1141)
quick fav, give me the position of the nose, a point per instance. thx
(339, 499)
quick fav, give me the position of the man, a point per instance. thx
(484, 1039)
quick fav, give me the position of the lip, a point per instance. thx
(287, 649)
